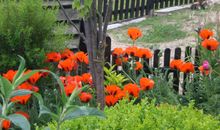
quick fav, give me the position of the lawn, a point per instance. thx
(167, 28)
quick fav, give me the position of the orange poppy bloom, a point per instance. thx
(187, 67)
(120, 95)
(82, 57)
(112, 89)
(85, 97)
(176, 64)
(110, 100)
(70, 88)
(210, 44)
(67, 65)
(23, 114)
(131, 51)
(138, 66)
(10, 75)
(119, 60)
(134, 33)
(53, 57)
(6, 124)
(205, 33)
(132, 89)
(21, 99)
(67, 53)
(34, 78)
(204, 71)
(146, 84)
(118, 52)
(144, 53)
(28, 86)
(87, 78)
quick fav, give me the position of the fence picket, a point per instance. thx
(142, 7)
(121, 10)
(116, 11)
(156, 58)
(188, 53)
(137, 9)
(127, 8)
(176, 73)
(132, 8)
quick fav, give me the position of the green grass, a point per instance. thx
(159, 29)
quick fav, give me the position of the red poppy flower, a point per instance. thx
(28, 86)
(210, 44)
(10, 75)
(119, 60)
(205, 33)
(118, 52)
(82, 57)
(110, 100)
(144, 53)
(204, 71)
(146, 84)
(134, 33)
(131, 51)
(6, 124)
(53, 57)
(132, 89)
(70, 88)
(23, 114)
(176, 64)
(87, 78)
(138, 66)
(85, 97)
(34, 78)
(187, 67)
(21, 99)
(120, 95)
(67, 65)
(67, 53)
(112, 89)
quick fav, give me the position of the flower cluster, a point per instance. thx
(128, 54)
(114, 93)
(67, 60)
(185, 67)
(208, 41)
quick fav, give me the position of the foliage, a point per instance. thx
(28, 30)
(112, 77)
(145, 116)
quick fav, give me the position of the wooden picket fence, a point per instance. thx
(161, 60)
(130, 9)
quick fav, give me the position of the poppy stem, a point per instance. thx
(133, 43)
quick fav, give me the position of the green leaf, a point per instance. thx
(20, 121)
(20, 68)
(81, 111)
(44, 109)
(20, 92)
(23, 78)
(6, 86)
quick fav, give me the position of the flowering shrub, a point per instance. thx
(145, 115)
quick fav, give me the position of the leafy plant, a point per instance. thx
(28, 30)
(145, 116)
(112, 77)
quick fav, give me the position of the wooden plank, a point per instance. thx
(171, 3)
(142, 7)
(121, 9)
(132, 8)
(137, 8)
(176, 73)
(156, 58)
(176, 2)
(116, 10)
(150, 6)
(161, 4)
(181, 2)
(146, 66)
(156, 4)
(166, 3)
(167, 57)
(127, 8)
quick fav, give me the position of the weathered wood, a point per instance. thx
(137, 9)
(176, 73)
(127, 9)
(142, 7)
(132, 8)
(116, 10)
(121, 9)
(156, 58)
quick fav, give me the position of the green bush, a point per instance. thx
(145, 116)
(28, 30)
